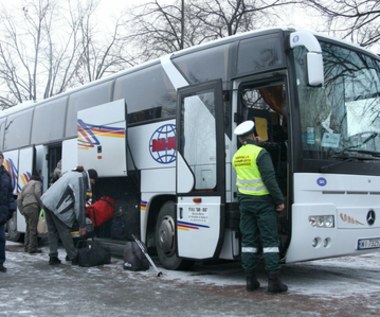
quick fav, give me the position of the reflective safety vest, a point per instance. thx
(249, 179)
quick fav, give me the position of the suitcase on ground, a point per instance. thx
(91, 253)
(134, 258)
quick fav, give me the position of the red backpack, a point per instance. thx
(101, 211)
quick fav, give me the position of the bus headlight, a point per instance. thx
(326, 221)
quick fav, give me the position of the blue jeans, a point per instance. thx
(2, 244)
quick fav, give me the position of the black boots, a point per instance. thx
(75, 261)
(252, 282)
(54, 260)
(274, 283)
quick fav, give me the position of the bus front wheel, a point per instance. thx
(165, 239)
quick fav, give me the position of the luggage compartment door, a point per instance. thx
(102, 138)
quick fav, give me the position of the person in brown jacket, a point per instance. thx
(29, 203)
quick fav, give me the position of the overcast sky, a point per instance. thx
(113, 9)
(297, 18)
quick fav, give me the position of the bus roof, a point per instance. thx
(185, 51)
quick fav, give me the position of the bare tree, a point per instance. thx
(29, 58)
(158, 29)
(222, 18)
(164, 28)
(356, 20)
(48, 46)
(102, 51)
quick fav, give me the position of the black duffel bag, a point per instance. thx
(134, 258)
(91, 253)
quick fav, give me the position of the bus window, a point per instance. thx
(148, 94)
(49, 121)
(14, 136)
(208, 64)
(83, 99)
(343, 114)
(3, 122)
(258, 53)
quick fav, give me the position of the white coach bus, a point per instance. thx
(160, 136)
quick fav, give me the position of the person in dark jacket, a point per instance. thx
(64, 205)
(7, 207)
(259, 198)
(29, 203)
(56, 173)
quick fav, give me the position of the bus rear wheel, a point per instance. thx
(165, 239)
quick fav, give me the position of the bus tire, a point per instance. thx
(166, 244)
(11, 232)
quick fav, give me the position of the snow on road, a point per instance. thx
(347, 286)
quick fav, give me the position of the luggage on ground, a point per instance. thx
(91, 253)
(134, 258)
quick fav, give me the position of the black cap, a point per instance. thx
(93, 174)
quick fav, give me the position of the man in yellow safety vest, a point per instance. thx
(259, 198)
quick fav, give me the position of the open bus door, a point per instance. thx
(20, 164)
(101, 142)
(26, 167)
(200, 171)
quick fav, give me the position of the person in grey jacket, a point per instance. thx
(64, 204)
(29, 203)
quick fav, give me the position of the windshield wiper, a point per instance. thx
(373, 153)
(356, 154)
(349, 155)
(369, 138)
(344, 159)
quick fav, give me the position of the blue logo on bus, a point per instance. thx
(162, 144)
(321, 181)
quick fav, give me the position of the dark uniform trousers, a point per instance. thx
(258, 226)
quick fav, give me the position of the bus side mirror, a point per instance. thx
(314, 69)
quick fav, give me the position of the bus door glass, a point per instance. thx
(25, 170)
(11, 165)
(102, 142)
(200, 171)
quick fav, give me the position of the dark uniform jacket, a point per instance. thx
(7, 201)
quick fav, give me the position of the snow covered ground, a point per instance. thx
(346, 287)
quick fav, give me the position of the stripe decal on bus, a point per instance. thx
(12, 170)
(182, 225)
(87, 134)
(143, 205)
(24, 177)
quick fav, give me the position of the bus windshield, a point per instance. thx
(343, 116)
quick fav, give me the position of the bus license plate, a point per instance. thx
(368, 243)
